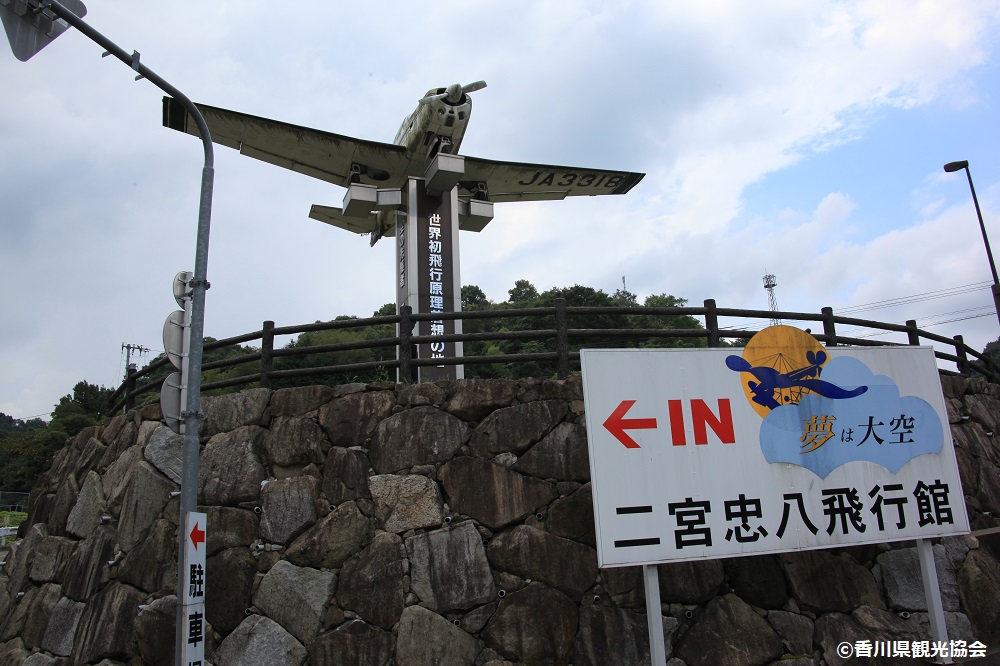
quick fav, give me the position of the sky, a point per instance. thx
(799, 138)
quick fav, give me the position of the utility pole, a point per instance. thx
(129, 348)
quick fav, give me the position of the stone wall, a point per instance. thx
(438, 524)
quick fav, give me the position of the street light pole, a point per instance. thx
(964, 164)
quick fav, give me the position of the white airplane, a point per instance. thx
(436, 126)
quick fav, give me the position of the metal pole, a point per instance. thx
(982, 226)
(995, 288)
(654, 616)
(932, 591)
(192, 412)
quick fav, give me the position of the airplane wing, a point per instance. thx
(318, 154)
(514, 181)
(335, 217)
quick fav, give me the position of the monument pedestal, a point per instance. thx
(427, 273)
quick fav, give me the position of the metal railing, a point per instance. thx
(553, 327)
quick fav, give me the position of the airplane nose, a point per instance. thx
(455, 93)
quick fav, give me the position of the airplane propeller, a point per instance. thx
(453, 93)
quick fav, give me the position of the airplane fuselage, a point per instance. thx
(435, 126)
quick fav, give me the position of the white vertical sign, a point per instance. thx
(195, 533)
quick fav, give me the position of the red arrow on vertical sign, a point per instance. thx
(617, 424)
(197, 536)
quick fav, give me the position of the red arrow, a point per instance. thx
(617, 424)
(197, 536)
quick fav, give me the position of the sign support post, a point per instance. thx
(654, 616)
(428, 272)
(928, 574)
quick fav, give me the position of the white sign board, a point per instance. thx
(193, 636)
(709, 453)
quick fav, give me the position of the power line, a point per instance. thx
(889, 303)
(915, 298)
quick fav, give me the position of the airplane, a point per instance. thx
(436, 126)
(770, 380)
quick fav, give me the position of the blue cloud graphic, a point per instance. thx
(799, 434)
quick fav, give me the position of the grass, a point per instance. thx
(10, 519)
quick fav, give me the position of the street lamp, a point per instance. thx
(964, 164)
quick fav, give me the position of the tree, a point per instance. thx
(522, 291)
(473, 298)
(83, 408)
(9, 424)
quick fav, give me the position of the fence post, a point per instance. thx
(912, 336)
(711, 322)
(266, 349)
(829, 328)
(405, 351)
(129, 389)
(963, 358)
(562, 339)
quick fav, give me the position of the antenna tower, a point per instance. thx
(770, 282)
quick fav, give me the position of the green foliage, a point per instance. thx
(9, 424)
(11, 519)
(24, 456)
(992, 352)
(525, 295)
(83, 408)
(362, 336)
(313, 349)
(27, 451)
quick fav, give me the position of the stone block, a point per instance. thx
(406, 502)
(534, 625)
(299, 400)
(561, 454)
(165, 452)
(230, 470)
(449, 570)
(147, 494)
(472, 399)
(345, 475)
(729, 633)
(152, 565)
(97, 637)
(824, 582)
(493, 495)
(225, 413)
(61, 629)
(424, 637)
(354, 642)
(296, 598)
(350, 420)
(260, 640)
(90, 506)
(371, 582)
(418, 436)
(533, 554)
(333, 539)
(154, 632)
(288, 508)
(517, 427)
(229, 527)
(292, 441)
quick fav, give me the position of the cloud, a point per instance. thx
(878, 426)
(708, 98)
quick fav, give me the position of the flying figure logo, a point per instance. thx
(848, 415)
